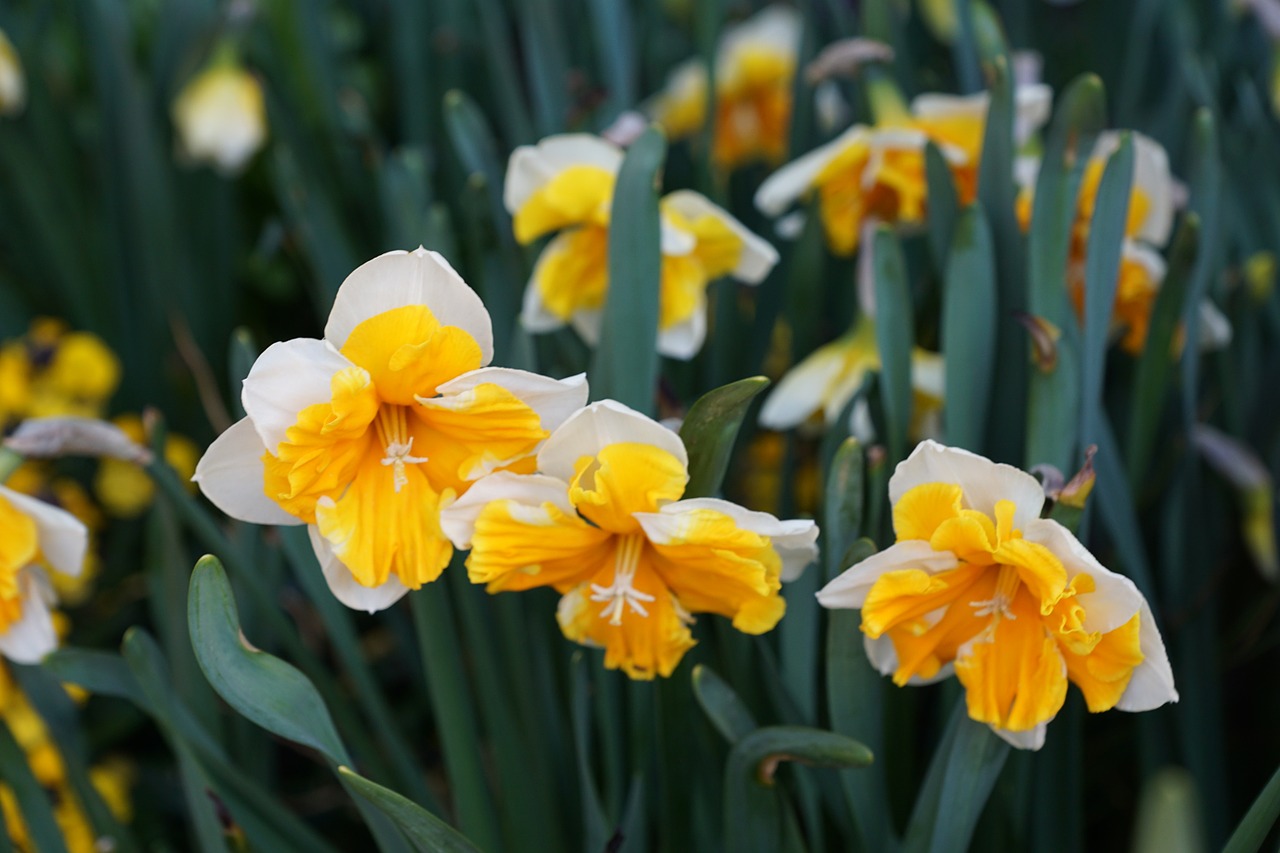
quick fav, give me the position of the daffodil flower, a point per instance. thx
(604, 524)
(755, 67)
(827, 379)
(877, 173)
(221, 117)
(565, 184)
(366, 434)
(979, 585)
(34, 537)
(13, 82)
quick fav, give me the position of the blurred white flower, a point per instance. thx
(221, 117)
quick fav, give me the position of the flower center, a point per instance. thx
(392, 425)
(999, 604)
(621, 593)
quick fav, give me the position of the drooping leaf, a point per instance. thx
(426, 832)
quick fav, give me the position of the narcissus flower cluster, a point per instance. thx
(395, 443)
(877, 173)
(564, 186)
(979, 585)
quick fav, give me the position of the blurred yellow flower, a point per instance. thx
(126, 490)
(877, 173)
(34, 536)
(603, 523)
(565, 184)
(826, 380)
(13, 82)
(366, 434)
(755, 66)
(221, 116)
(51, 372)
(977, 583)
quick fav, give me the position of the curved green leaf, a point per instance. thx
(722, 705)
(263, 688)
(426, 832)
(895, 334)
(710, 429)
(625, 367)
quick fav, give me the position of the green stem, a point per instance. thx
(455, 713)
(1262, 815)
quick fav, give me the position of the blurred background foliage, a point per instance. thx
(389, 127)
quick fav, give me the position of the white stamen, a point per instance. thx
(621, 592)
(398, 456)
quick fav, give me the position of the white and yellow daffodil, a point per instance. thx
(979, 585)
(13, 82)
(826, 380)
(755, 69)
(221, 116)
(877, 173)
(366, 434)
(604, 524)
(565, 184)
(34, 538)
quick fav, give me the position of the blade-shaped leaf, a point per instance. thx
(426, 832)
(710, 429)
(968, 317)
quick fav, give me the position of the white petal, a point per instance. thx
(32, 637)
(803, 389)
(1152, 683)
(1026, 170)
(287, 378)
(683, 340)
(674, 240)
(1215, 328)
(861, 426)
(794, 539)
(597, 426)
(939, 105)
(1151, 175)
(1146, 257)
(928, 374)
(849, 589)
(587, 322)
(794, 179)
(758, 256)
(984, 482)
(884, 658)
(1031, 739)
(343, 584)
(231, 476)
(534, 314)
(1115, 598)
(63, 538)
(532, 166)
(401, 278)
(1032, 105)
(775, 29)
(553, 399)
(529, 490)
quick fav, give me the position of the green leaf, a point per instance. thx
(1258, 821)
(944, 204)
(1151, 382)
(1101, 274)
(755, 811)
(98, 672)
(710, 429)
(595, 826)
(1206, 203)
(33, 803)
(616, 51)
(960, 778)
(895, 334)
(968, 316)
(625, 367)
(500, 63)
(722, 705)
(843, 504)
(426, 832)
(263, 688)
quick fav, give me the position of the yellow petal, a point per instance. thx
(971, 536)
(575, 196)
(924, 508)
(1104, 673)
(1038, 568)
(906, 595)
(407, 352)
(516, 547)
(625, 478)
(1016, 678)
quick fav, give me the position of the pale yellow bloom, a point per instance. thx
(979, 585)
(754, 74)
(565, 184)
(604, 524)
(878, 173)
(827, 379)
(221, 117)
(367, 434)
(13, 82)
